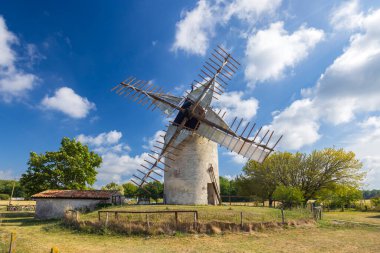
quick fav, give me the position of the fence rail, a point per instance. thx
(21, 207)
(175, 212)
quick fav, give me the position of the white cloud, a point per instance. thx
(236, 106)
(352, 83)
(7, 38)
(119, 167)
(365, 143)
(33, 54)
(152, 141)
(194, 30)
(236, 158)
(112, 137)
(67, 101)
(349, 86)
(118, 164)
(347, 16)
(14, 83)
(197, 26)
(372, 168)
(270, 52)
(230, 177)
(250, 10)
(298, 124)
(6, 175)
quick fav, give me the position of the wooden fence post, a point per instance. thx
(106, 219)
(282, 215)
(176, 219)
(317, 213)
(116, 216)
(12, 244)
(241, 219)
(147, 221)
(98, 215)
(195, 220)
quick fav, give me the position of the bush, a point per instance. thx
(103, 205)
(4, 196)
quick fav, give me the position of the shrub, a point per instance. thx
(4, 196)
(103, 205)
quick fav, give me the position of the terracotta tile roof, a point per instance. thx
(76, 194)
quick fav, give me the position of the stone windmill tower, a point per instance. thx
(188, 154)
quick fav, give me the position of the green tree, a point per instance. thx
(329, 167)
(376, 201)
(289, 196)
(73, 166)
(6, 187)
(114, 187)
(227, 187)
(130, 190)
(258, 180)
(322, 169)
(326, 196)
(154, 190)
(345, 195)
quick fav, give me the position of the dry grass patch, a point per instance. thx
(354, 216)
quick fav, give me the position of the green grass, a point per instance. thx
(36, 236)
(205, 213)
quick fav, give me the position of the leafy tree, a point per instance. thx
(376, 201)
(326, 196)
(258, 180)
(114, 187)
(227, 187)
(155, 189)
(344, 195)
(130, 190)
(289, 196)
(329, 167)
(73, 166)
(316, 171)
(6, 187)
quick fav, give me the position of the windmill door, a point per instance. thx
(211, 198)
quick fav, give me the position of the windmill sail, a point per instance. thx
(145, 93)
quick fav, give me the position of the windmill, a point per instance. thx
(188, 153)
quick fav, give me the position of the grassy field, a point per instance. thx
(354, 216)
(37, 236)
(206, 213)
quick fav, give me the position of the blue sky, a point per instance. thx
(309, 70)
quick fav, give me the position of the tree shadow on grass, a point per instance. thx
(21, 219)
(374, 217)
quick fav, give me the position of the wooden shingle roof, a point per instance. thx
(76, 194)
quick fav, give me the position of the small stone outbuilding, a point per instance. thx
(52, 204)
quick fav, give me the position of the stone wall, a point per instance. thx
(186, 181)
(56, 208)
